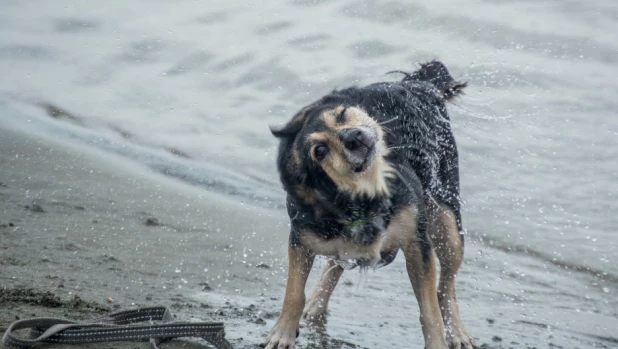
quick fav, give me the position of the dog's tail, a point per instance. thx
(435, 72)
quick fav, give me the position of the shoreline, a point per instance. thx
(90, 224)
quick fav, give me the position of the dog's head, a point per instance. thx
(330, 147)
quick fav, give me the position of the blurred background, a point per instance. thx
(189, 88)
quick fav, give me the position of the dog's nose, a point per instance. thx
(354, 138)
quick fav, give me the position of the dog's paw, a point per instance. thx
(436, 344)
(314, 309)
(459, 339)
(281, 336)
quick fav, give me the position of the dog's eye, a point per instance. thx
(340, 118)
(320, 151)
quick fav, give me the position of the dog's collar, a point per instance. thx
(385, 212)
(350, 222)
(354, 223)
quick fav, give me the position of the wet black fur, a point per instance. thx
(417, 129)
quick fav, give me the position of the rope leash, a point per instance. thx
(119, 326)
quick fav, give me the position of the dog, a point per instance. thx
(370, 171)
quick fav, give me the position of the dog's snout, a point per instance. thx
(354, 138)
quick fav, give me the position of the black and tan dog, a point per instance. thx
(369, 171)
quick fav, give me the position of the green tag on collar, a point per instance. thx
(355, 223)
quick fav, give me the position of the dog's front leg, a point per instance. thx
(421, 266)
(283, 334)
(316, 306)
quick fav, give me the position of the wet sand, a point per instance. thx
(87, 224)
(84, 232)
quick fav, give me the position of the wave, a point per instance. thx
(169, 162)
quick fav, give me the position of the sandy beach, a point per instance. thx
(87, 224)
(78, 226)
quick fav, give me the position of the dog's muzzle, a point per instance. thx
(360, 146)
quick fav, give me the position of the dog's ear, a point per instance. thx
(294, 125)
(290, 129)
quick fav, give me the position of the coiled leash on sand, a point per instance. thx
(119, 326)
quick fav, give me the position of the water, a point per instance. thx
(189, 88)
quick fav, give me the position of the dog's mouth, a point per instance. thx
(366, 163)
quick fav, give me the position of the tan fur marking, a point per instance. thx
(423, 279)
(284, 332)
(341, 248)
(300, 262)
(296, 157)
(329, 117)
(402, 229)
(306, 194)
(442, 229)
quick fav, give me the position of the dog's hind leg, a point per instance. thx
(444, 234)
(411, 232)
(317, 304)
(423, 278)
